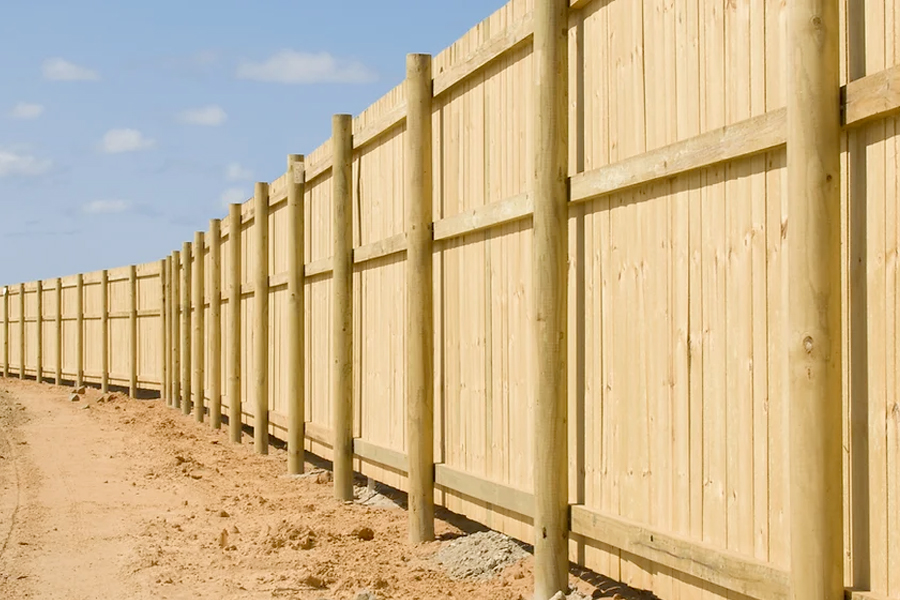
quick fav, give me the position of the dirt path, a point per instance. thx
(129, 499)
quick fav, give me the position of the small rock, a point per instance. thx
(313, 581)
(80, 389)
(223, 514)
(223, 538)
(366, 595)
(196, 476)
(74, 398)
(86, 406)
(235, 529)
(324, 477)
(364, 533)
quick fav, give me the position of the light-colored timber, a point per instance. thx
(342, 306)
(261, 318)
(814, 292)
(296, 306)
(419, 303)
(214, 327)
(550, 244)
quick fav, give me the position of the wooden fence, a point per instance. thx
(678, 284)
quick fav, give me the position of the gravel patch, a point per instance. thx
(479, 556)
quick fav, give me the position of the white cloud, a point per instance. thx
(12, 163)
(25, 110)
(124, 140)
(211, 116)
(233, 196)
(98, 207)
(235, 172)
(58, 69)
(289, 66)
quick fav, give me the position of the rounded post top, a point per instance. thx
(214, 223)
(341, 120)
(295, 158)
(261, 188)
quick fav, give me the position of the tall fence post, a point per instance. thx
(164, 328)
(104, 331)
(59, 331)
(214, 326)
(6, 331)
(296, 358)
(39, 329)
(199, 355)
(175, 276)
(235, 408)
(21, 331)
(550, 249)
(79, 330)
(419, 299)
(261, 318)
(132, 332)
(342, 312)
(296, 310)
(814, 292)
(186, 328)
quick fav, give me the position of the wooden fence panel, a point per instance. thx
(15, 330)
(93, 307)
(677, 289)
(149, 323)
(319, 246)
(70, 327)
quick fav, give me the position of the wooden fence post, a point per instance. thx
(186, 328)
(164, 328)
(550, 257)
(79, 330)
(104, 331)
(59, 331)
(39, 328)
(132, 332)
(419, 300)
(199, 384)
(261, 318)
(342, 312)
(214, 325)
(296, 314)
(235, 409)
(176, 328)
(21, 331)
(6, 331)
(814, 293)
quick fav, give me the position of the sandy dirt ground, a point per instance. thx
(130, 499)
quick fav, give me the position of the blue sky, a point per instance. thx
(124, 126)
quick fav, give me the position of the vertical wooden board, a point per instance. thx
(877, 396)
(776, 56)
(739, 361)
(714, 375)
(892, 263)
(776, 317)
